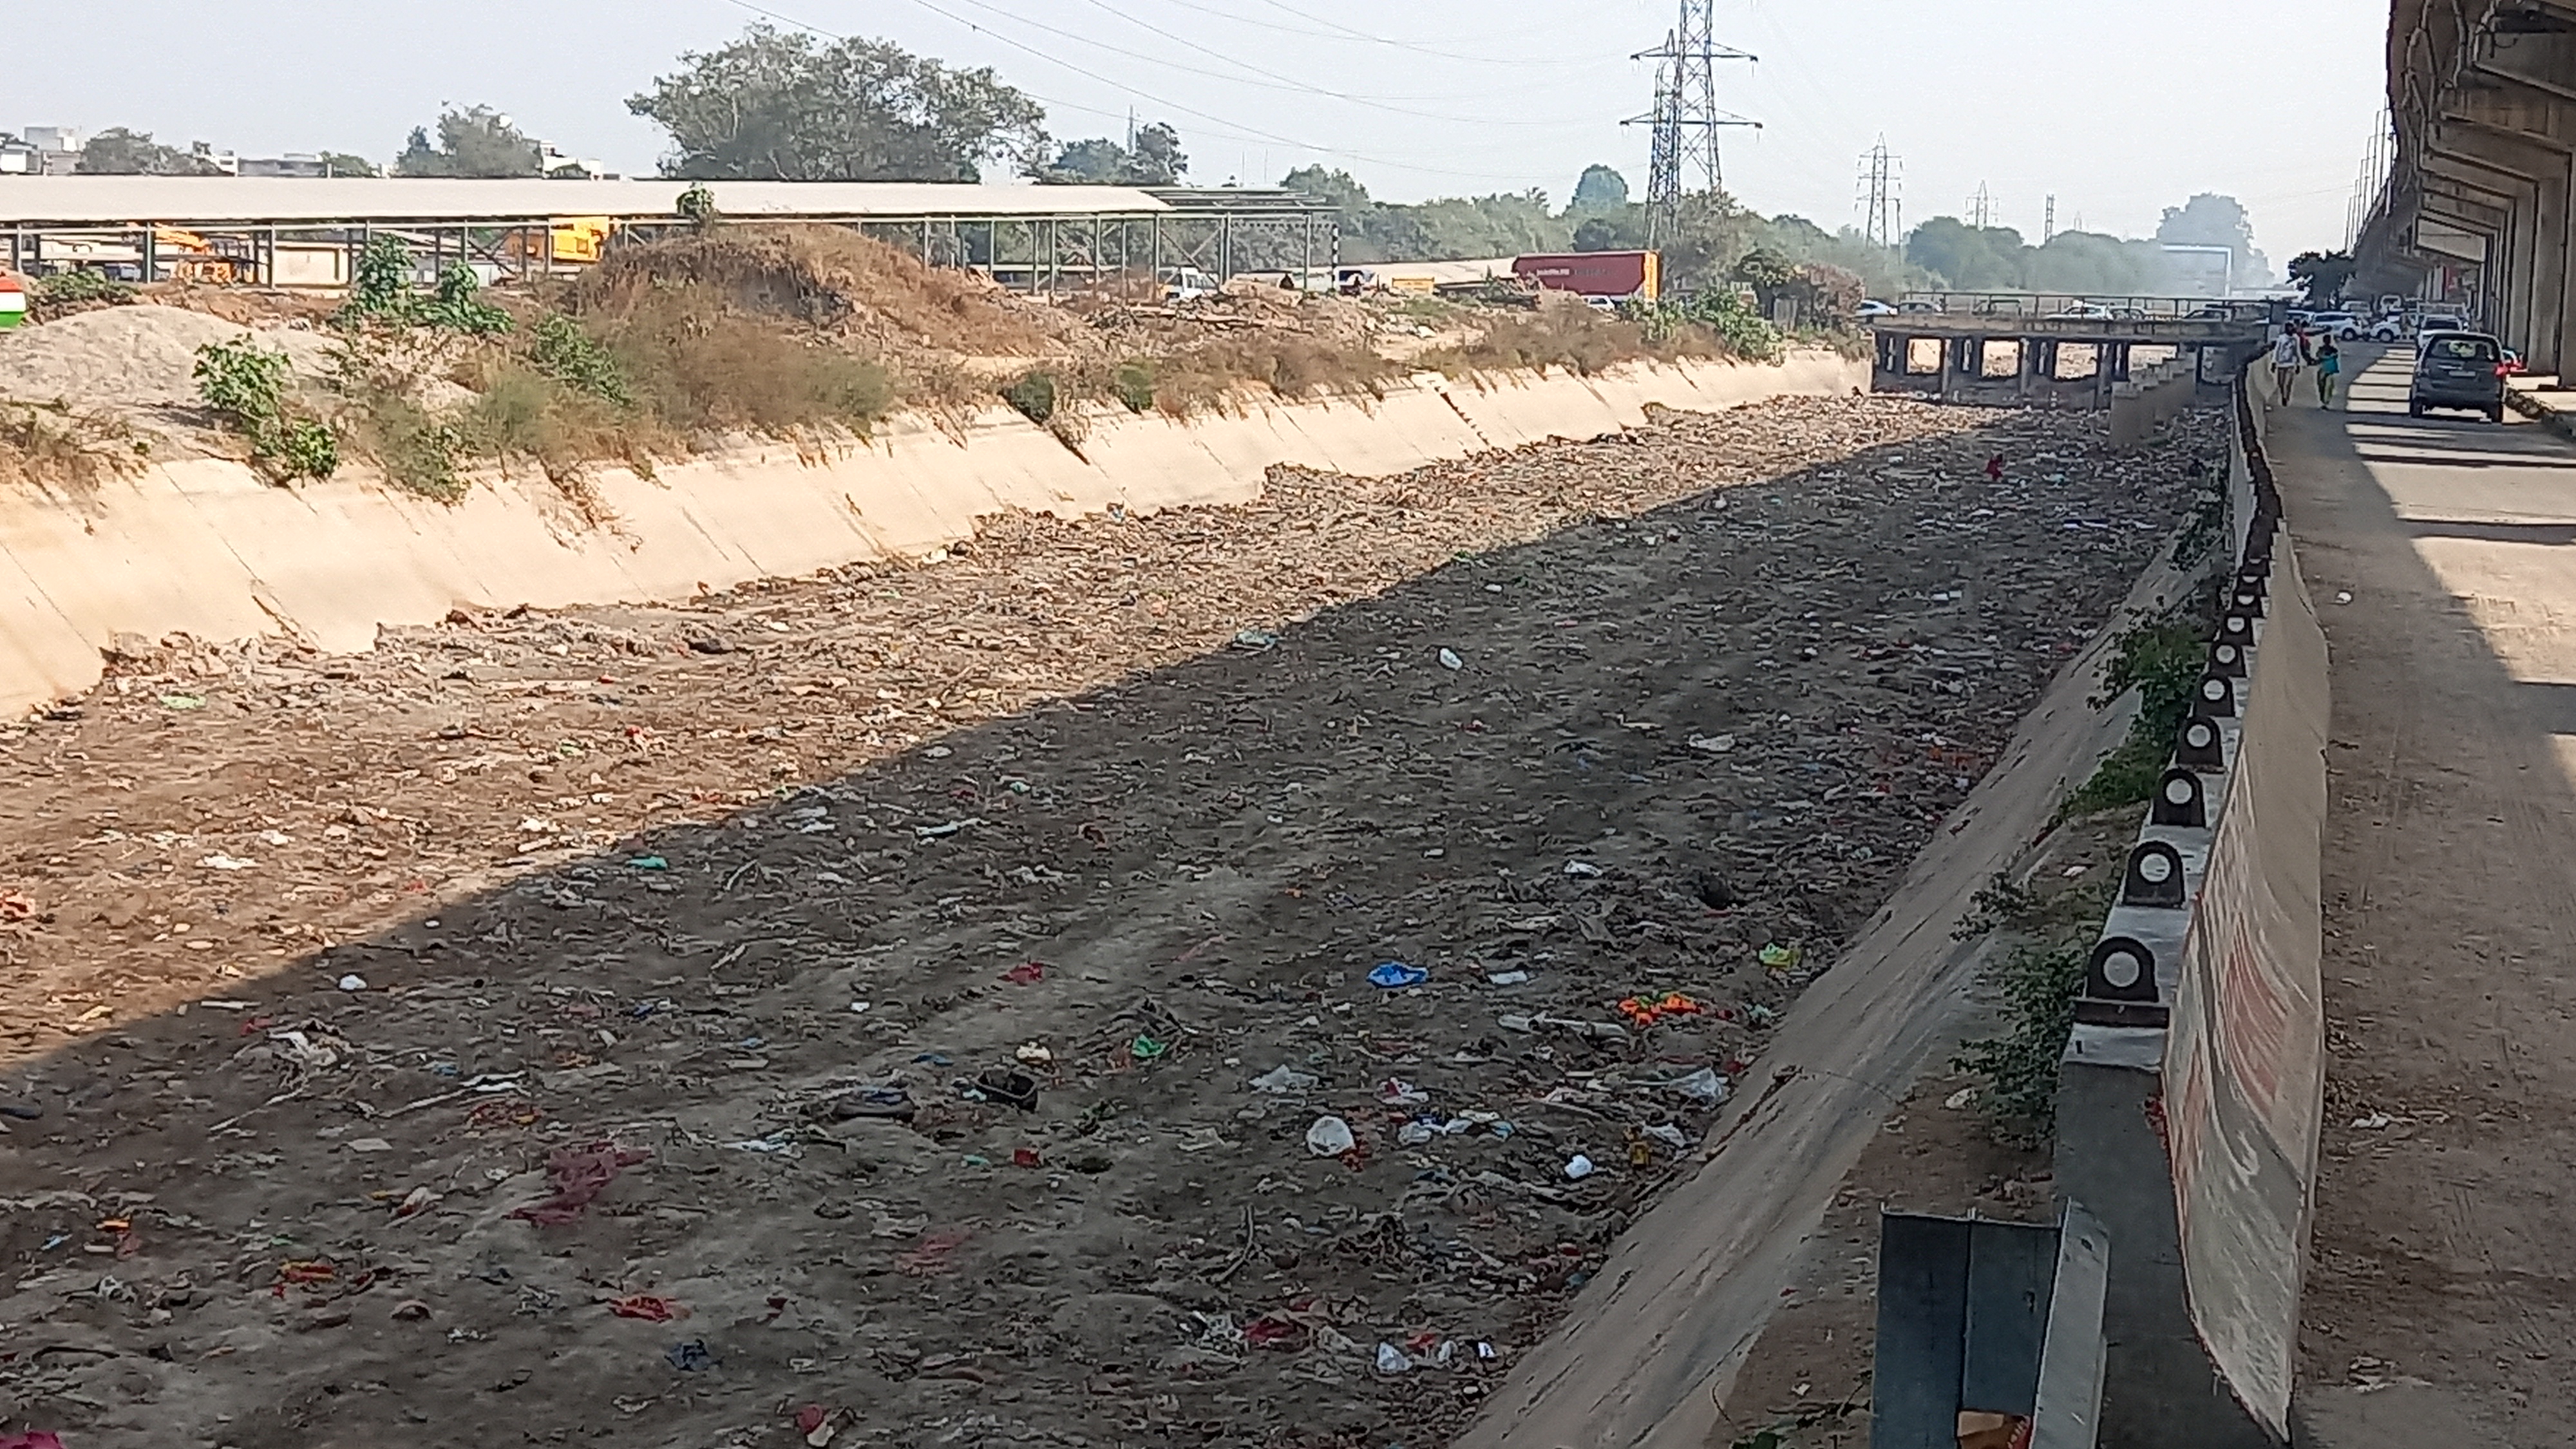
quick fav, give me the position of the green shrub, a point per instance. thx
(380, 282)
(562, 350)
(2161, 659)
(64, 289)
(1133, 384)
(242, 381)
(1033, 395)
(245, 384)
(457, 307)
(302, 448)
(381, 294)
(2040, 984)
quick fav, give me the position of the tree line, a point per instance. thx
(776, 105)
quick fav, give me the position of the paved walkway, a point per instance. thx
(2441, 1303)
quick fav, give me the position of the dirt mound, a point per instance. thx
(133, 359)
(840, 281)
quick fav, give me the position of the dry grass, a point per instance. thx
(52, 445)
(836, 280)
(699, 368)
(1290, 365)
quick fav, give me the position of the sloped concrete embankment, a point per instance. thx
(207, 549)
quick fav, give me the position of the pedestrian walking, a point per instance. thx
(2329, 366)
(2287, 354)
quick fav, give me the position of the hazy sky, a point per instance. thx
(2118, 107)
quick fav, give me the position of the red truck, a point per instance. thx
(1615, 276)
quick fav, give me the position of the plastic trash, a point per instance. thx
(1704, 1086)
(1781, 958)
(1397, 1092)
(1579, 1168)
(1711, 744)
(690, 1357)
(1670, 1135)
(1330, 1137)
(1449, 660)
(1507, 978)
(1394, 974)
(353, 982)
(1392, 1360)
(1283, 1081)
(648, 862)
(1581, 868)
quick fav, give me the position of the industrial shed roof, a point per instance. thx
(215, 200)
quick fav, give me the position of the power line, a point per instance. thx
(1289, 82)
(1344, 33)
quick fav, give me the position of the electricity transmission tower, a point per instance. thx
(1686, 117)
(1981, 208)
(2048, 221)
(1882, 208)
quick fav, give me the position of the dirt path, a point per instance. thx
(690, 955)
(2441, 1307)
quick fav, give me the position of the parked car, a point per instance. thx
(2461, 370)
(2082, 312)
(2341, 326)
(2388, 329)
(2443, 322)
(1917, 304)
(1873, 309)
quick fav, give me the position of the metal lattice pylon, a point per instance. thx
(1686, 117)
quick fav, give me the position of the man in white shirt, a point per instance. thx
(2287, 353)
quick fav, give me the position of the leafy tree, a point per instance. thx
(1621, 231)
(1969, 258)
(2212, 220)
(1156, 161)
(2090, 262)
(1601, 189)
(117, 151)
(1335, 188)
(2325, 275)
(477, 141)
(341, 163)
(1765, 271)
(779, 107)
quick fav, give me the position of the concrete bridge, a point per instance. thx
(2002, 358)
(2475, 212)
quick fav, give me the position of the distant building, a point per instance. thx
(41, 151)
